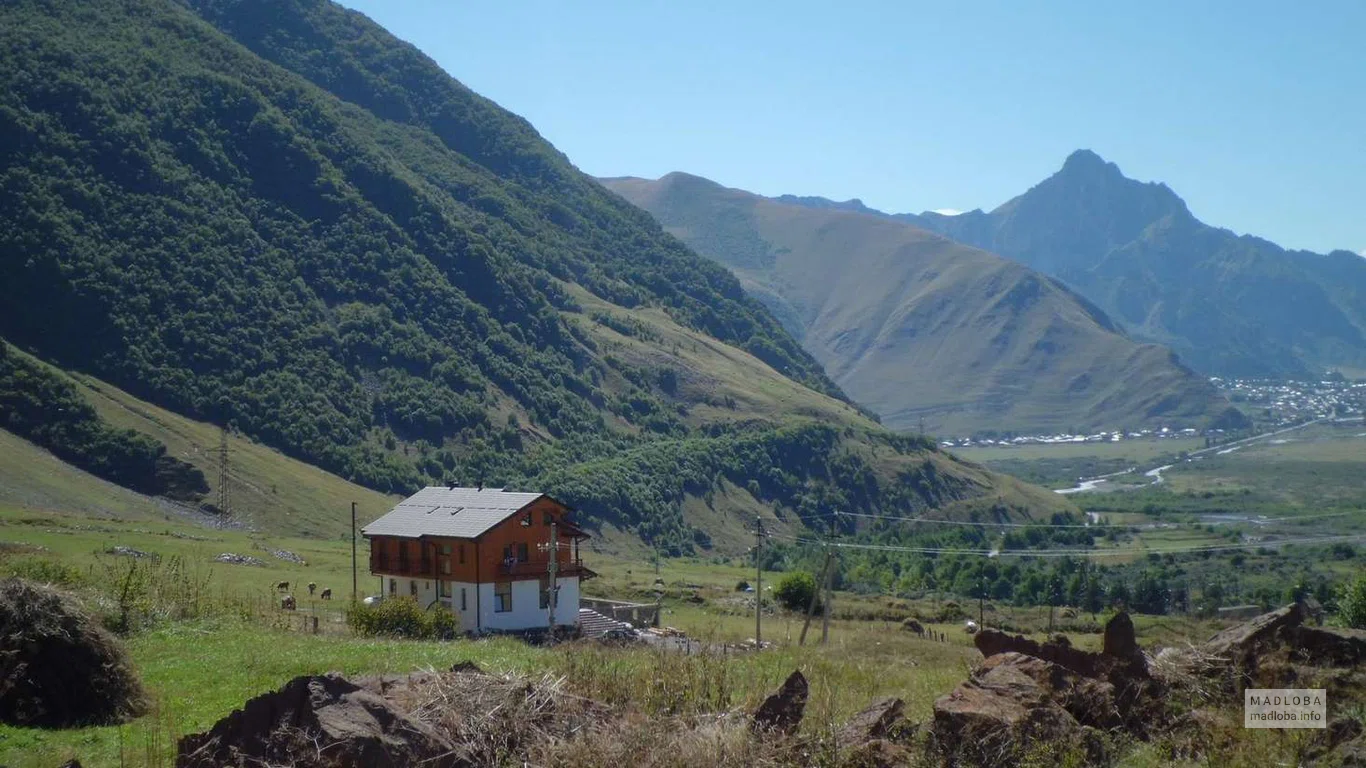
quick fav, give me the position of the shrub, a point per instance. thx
(44, 571)
(401, 617)
(795, 590)
(1352, 603)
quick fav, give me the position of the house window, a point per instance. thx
(462, 554)
(445, 549)
(444, 588)
(502, 597)
(464, 602)
(412, 588)
(548, 518)
(393, 586)
(446, 565)
(521, 552)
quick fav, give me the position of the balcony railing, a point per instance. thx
(402, 566)
(528, 568)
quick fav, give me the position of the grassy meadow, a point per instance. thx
(199, 669)
(211, 634)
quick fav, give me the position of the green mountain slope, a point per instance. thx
(269, 492)
(1228, 304)
(276, 216)
(918, 327)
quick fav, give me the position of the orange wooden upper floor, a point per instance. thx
(518, 547)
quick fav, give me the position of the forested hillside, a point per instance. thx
(276, 216)
(924, 330)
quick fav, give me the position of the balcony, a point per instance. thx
(402, 566)
(533, 568)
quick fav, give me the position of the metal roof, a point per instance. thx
(464, 513)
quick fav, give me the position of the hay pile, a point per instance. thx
(58, 667)
(491, 717)
(465, 718)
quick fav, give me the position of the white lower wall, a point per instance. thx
(567, 610)
(402, 586)
(480, 604)
(527, 612)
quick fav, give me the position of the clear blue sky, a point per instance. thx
(1254, 112)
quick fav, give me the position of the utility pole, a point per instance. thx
(659, 592)
(224, 499)
(815, 594)
(821, 586)
(758, 580)
(982, 600)
(829, 582)
(355, 588)
(554, 574)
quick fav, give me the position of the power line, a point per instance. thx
(1092, 526)
(1073, 552)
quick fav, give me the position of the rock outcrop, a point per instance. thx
(1277, 648)
(1013, 700)
(1026, 693)
(884, 718)
(782, 711)
(877, 736)
(322, 720)
(1241, 643)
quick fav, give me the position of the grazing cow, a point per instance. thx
(282, 587)
(970, 627)
(287, 603)
(327, 594)
(311, 587)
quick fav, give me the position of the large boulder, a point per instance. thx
(1322, 646)
(1120, 653)
(884, 718)
(1014, 701)
(878, 753)
(1277, 648)
(1120, 640)
(317, 721)
(993, 641)
(1241, 644)
(1030, 695)
(782, 711)
(1121, 664)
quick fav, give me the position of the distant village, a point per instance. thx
(1273, 403)
(1288, 402)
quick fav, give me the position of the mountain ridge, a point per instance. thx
(1229, 304)
(877, 301)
